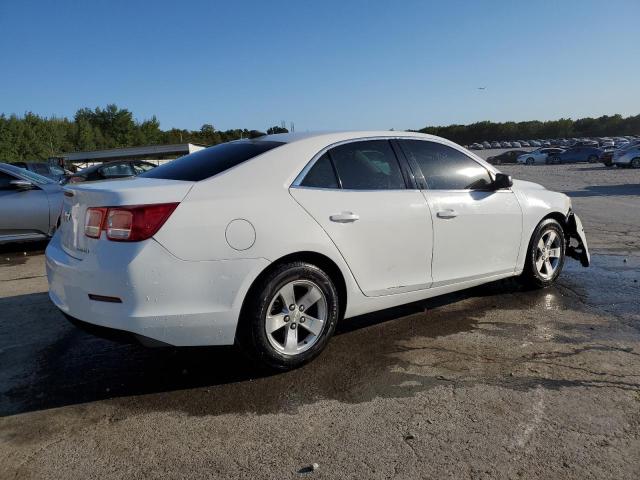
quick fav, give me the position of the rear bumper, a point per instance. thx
(163, 298)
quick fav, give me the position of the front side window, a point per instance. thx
(5, 181)
(367, 165)
(445, 168)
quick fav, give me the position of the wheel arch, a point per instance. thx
(318, 259)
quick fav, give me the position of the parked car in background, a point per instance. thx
(30, 205)
(545, 143)
(606, 156)
(110, 171)
(578, 153)
(486, 145)
(495, 145)
(505, 157)
(538, 156)
(380, 219)
(53, 172)
(476, 146)
(607, 142)
(628, 156)
(535, 143)
(516, 145)
(587, 143)
(524, 143)
(505, 144)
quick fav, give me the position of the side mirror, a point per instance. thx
(502, 181)
(21, 184)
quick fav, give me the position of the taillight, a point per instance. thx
(93, 222)
(129, 223)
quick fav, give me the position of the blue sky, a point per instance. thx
(322, 64)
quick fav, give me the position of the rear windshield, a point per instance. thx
(210, 161)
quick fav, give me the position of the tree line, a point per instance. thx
(603, 126)
(33, 137)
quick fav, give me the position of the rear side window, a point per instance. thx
(40, 168)
(116, 170)
(321, 175)
(367, 165)
(445, 168)
(211, 161)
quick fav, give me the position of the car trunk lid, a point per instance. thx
(135, 191)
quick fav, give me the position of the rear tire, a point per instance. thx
(635, 163)
(530, 161)
(276, 328)
(545, 255)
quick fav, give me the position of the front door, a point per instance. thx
(477, 231)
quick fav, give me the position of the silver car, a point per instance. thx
(30, 205)
(628, 156)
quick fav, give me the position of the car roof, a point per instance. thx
(337, 136)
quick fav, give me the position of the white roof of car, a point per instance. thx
(336, 136)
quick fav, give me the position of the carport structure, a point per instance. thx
(157, 154)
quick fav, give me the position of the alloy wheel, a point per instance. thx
(548, 252)
(296, 317)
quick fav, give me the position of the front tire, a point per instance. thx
(545, 256)
(530, 161)
(635, 163)
(289, 316)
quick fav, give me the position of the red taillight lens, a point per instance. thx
(93, 222)
(127, 224)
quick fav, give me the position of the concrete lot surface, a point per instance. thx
(495, 382)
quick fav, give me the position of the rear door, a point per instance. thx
(477, 231)
(361, 195)
(22, 211)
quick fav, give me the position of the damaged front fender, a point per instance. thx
(575, 231)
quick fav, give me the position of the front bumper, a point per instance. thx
(163, 298)
(576, 231)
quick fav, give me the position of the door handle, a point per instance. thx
(449, 213)
(344, 217)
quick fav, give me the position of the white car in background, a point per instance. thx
(538, 156)
(270, 242)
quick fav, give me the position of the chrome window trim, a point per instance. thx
(300, 177)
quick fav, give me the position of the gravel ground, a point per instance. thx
(494, 382)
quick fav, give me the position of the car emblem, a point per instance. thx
(67, 216)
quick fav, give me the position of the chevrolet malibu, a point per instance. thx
(268, 243)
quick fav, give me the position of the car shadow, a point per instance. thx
(49, 363)
(607, 190)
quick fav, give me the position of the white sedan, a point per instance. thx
(538, 156)
(268, 243)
